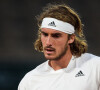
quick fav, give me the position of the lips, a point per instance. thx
(49, 50)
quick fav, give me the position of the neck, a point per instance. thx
(61, 63)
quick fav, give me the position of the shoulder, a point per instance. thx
(91, 57)
(36, 70)
(25, 80)
(88, 59)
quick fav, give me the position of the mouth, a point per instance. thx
(49, 50)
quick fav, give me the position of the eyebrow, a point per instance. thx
(55, 34)
(52, 33)
(42, 32)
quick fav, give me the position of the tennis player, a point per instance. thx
(68, 66)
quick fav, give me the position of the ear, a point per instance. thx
(71, 39)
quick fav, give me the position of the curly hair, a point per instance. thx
(67, 14)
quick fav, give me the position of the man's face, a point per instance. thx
(54, 43)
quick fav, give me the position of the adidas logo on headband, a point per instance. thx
(52, 24)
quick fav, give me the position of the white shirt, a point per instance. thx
(82, 73)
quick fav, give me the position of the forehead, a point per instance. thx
(48, 30)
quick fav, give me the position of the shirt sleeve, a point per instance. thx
(98, 71)
(23, 83)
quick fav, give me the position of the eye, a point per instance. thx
(56, 35)
(44, 34)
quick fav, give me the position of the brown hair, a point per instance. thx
(66, 14)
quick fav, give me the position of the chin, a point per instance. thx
(49, 57)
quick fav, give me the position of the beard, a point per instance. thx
(60, 55)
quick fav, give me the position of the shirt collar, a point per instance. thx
(69, 68)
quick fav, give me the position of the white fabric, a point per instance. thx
(82, 73)
(59, 25)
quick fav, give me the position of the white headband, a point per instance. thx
(57, 25)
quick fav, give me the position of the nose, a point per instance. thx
(49, 41)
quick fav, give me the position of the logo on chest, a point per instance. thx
(80, 73)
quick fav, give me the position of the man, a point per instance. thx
(68, 66)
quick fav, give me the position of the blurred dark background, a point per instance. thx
(18, 31)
